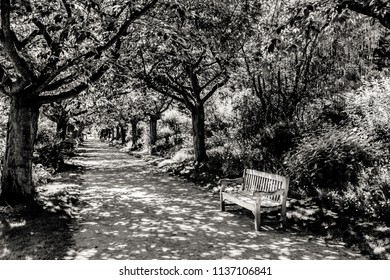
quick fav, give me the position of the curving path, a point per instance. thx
(131, 210)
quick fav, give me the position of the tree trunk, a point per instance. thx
(112, 134)
(199, 134)
(16, 181)
(152, 133)
(134, 136)
(123, 134)
(62, 127)
(117, 133)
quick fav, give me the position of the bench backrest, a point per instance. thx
(261, 181)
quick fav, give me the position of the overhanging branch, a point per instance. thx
(215, 88)
(76, 90)
(9, 46)
(375, 9)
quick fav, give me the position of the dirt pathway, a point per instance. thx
(131, 210)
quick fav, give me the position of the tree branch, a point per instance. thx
(199, 61)
(27, 40)
(43, 31)
(61, 82)
(374, 9)
(211, 80)
(9, 46)
(45, 99)
(67, 8)
(166, 93)
(173, 80)
(122, 30)
(215, 88)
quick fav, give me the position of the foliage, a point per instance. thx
(332, 160)
(376, 9)
(369, 198)
(226, 161)
(179, 123)
(49, 151)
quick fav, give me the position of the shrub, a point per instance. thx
(370, 198)
(226, 161)
(333, 112)
(332, 160)
(41, 175)
(178, 123)
(52, 155)
(45, 134)
(183, 155)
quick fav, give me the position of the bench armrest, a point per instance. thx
(226, 182)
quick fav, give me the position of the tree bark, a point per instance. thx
(152, 133)
(123, 134)
(134, 136)
(16, 181)
(117, 133)
(62, 128)
(199, 134)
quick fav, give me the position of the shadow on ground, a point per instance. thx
(39, 235)
(129, 210)
(44, 230)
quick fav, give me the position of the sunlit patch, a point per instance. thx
(236, 253)
(114, 233)
(121, 223)
(178, 238)
(5, 253)
(16, 224)
(86, 254)
(285, 251)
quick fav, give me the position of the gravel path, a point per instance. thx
(131, 210)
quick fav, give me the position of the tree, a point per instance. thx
(52, 51)
(61, 113)
(376, 9)
(156, 105)
(197, 49)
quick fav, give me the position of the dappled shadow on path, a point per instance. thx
(129, 210)
(39, 235)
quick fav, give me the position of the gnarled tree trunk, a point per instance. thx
(16, 181)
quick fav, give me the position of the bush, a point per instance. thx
(179, 125)
(183, 155)
(41, 175)
(226, 161)
(370, 198)
(45, 134)
(332, 160)
(53, 155)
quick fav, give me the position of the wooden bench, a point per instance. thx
(258, 192)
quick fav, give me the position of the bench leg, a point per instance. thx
(222, 203)
(257, 214)
(283, 216)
